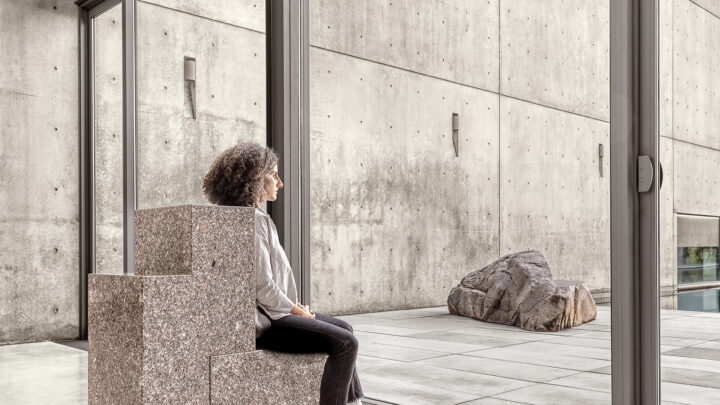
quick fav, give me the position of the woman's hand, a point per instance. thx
(303, 311)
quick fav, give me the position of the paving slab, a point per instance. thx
(690, 363)
(690, 377)
(397, 352)
(517, 354)
(689, 394)
(453, 336)
(419, 343)
(480, 385)
(491, 401)
(542, 394)
(588, 381)
(695, 352)
(388, 330)
(401, 392)
(499, 368)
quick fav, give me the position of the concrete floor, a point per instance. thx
(427, 356)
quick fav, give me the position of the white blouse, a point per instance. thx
(274, 281)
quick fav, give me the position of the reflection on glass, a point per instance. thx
(698, 264)
(704, 300)
(108, 137)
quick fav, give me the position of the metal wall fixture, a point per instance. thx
(601, 155)
(189, 85)
(455, 133)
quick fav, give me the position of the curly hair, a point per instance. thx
(237, 176)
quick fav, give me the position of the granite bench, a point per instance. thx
(181, 330)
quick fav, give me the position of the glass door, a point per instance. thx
(689, 137)
(446, 135)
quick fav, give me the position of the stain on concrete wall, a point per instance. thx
(174, 149)
(39, 267)
(397, 218)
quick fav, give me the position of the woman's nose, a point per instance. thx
(280, 184)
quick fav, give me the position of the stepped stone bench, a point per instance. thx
(181, 330)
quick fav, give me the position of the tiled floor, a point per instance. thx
(427, 356)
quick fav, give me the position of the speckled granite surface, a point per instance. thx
(265, 377)
(115, 339)
(194, 239)
(151, 335)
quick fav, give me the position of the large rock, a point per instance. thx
(518, 290)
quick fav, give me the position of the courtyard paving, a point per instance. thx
(427, 356)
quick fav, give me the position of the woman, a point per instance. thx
(247, 175)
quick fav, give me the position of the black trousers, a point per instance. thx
(324, 334)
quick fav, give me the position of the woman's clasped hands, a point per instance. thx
(302, 310)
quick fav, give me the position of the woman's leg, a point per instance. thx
(355, 391)
(295, 334)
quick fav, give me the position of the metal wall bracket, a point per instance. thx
(455, 130)
(645, 174)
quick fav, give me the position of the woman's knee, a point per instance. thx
(345, 325)
(349, 343)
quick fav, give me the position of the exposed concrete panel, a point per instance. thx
(665, 67)
(39, 273)
(396, 218)
(697, 179)
(557, 54)
(552, 197)
(38, 47)
(108, 122)
(696, 86)
(243, 13)
(668, 244)
(711, 6)
(455, 40)
(175, 149)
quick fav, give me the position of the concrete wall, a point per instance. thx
(227, 40)
(39, 186)
(397, 218)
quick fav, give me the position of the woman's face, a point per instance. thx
(272, 185)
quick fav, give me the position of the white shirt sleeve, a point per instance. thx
(268, 293)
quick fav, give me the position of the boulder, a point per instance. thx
(518, 290)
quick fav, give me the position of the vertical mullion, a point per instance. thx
(648, 144)
(288, 132)
(304, 152)
(634, 216)
(129, 132)
(87, 227)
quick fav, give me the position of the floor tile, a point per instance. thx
(499, 368)
(406, 393)
(419, 343)
(689, 394)
(524, 355)
(457, 381)
(690, 377)
(452, 336)
(396, 352)
(544, 394)
(696, 352)
(590, 381)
